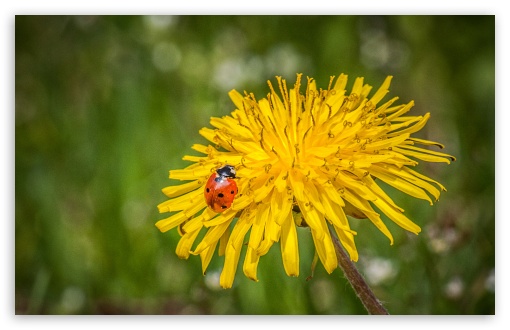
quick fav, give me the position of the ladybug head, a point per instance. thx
(227, 171)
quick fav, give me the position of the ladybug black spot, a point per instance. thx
(223, 206)
(232, 192)
(220, 195)
(207, 189)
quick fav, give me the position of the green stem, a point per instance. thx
(363, 291)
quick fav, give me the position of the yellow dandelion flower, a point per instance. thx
(320, 153)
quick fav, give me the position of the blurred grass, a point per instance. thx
(106, 105)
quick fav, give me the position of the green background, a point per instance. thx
(106, 105)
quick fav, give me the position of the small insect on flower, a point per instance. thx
(221, 189)
(322, 152)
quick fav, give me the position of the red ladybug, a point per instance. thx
(221, 189)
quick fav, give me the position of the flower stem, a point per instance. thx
(363, 291)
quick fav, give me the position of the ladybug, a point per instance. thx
(221, 189)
